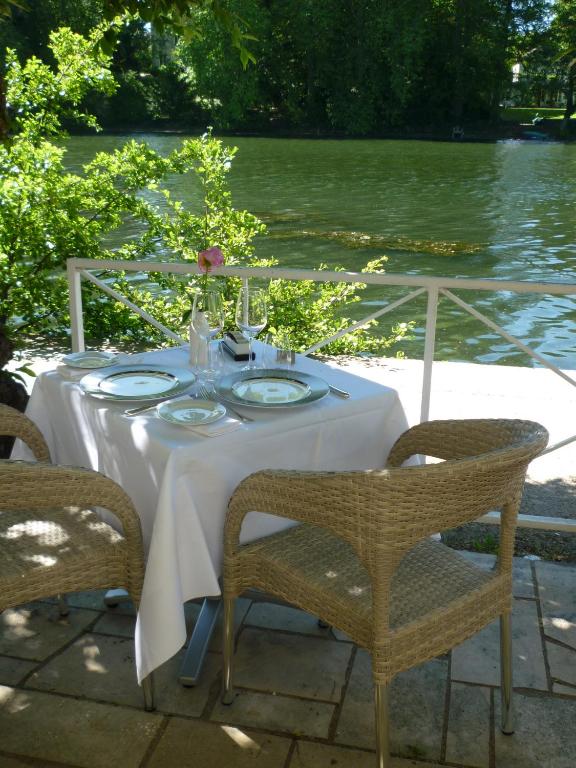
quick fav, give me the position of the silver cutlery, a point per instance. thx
(203, 392)
(339, 392)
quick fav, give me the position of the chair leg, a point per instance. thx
(148, 691)
(63, 607)
(507, 722)
(382, 727)
(228, 650)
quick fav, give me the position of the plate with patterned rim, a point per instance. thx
(137, 382)
(270, 388)
(191, 412)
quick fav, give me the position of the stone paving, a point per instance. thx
(68, 695)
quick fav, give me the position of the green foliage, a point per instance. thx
(314, 311)
(351, 67)
(48, 214)
(488, 544)
(527, 114)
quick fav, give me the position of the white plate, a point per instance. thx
(270, 388)
(190, 412)
(137, 382)
(93, 359)
(270, 391)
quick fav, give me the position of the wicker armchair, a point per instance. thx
(363, 560)
(51, 542)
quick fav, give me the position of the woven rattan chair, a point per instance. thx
(51, 542)
(363, 559)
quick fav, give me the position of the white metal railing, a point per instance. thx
(434, 286)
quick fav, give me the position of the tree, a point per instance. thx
(48, 214)
(563, 33)
(178, 16)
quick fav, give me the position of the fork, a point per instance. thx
(204, 392)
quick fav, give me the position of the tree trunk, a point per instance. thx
(569, 111)
(4, 127)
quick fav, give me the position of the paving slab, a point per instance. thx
(285, 618)
(416, 709)
(468, 738)
(83, 733)
(7, 761)
(103, 668)
(562, 663)
(194, 744)
(118, 624)
(37, 630)
(545, 736)
(13, 670)
(94, 600)
(557, 588)
(94, 666)
(290, 664)
(297, 717)
(478, 659)
(310, 755)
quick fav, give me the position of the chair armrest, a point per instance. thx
(30, 486)
(16, 424)
(326, 499)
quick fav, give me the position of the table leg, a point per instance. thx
(114, 597)
(198, 645)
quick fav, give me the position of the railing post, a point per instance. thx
(76, 316)
(429, 343)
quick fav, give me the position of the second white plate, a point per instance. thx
(190, 412)
(92, 359)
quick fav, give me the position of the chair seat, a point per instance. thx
(43, 546)
(327, 570)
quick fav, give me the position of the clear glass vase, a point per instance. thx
(207, 321)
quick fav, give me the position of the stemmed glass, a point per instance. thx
(251, 315)
(208, 321)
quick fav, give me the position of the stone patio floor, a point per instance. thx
(68, 695)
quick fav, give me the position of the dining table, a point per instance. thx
(180, 479)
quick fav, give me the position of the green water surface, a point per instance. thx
(504, 211)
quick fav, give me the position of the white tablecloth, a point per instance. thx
(180, 482)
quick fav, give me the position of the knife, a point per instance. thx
(339, 392)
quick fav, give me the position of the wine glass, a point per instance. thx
(251, 315)
(208, 321)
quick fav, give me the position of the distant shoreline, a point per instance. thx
(547, 131)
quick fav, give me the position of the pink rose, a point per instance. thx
(211, 257)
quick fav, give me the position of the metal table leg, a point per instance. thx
(199, 642)
(114, 597)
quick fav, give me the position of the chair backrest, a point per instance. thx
(483, 467)
(16, 424)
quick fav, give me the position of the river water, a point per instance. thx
(504, 210)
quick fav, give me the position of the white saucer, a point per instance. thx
(190, 412)
(92, 359)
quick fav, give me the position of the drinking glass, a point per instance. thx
(208, 321)
(251, 315)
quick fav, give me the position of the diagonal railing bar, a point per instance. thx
(506, 335)
(141, 312)
(364, 321)
(513, 340)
